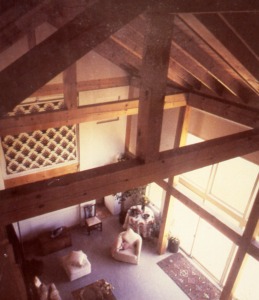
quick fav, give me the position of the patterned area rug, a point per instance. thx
(194, 284)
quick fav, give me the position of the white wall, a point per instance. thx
(169, 126)
(31, 228)
(94, 66)
(208, 126)
(100, 144)
(103, 95)
(170, 120)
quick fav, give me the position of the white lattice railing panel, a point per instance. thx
(36, 107)
(40, 148)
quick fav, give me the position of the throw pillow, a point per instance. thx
(129, 236)
(53, 292)
(77, 258)
(43, 292)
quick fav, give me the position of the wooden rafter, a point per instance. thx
(196, 70)
(249, 20)
(191, 46)
(225, 109)
(120, 56)
(87, 85)
(23, 18)
(187, 65)
(70, 87)
(233, 276)
(209, 6)
(225, 42)
(69, 44)
(28, 123)
(37, 198)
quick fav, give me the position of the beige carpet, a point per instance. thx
(144, 281)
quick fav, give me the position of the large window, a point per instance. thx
(228, 189)
(155, 194)
(248, 288)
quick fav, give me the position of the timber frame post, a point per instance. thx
(180, 140)
(239, 260)
(153, 84)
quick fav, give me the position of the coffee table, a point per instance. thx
(94, 291)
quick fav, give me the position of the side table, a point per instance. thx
(49, 245)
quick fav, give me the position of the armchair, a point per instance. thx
(127, 247)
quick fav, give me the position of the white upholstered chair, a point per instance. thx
(127, 247)
(76, 264)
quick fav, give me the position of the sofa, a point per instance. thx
(127, 247)
(45, 292)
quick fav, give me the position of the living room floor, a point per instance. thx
(143, 281)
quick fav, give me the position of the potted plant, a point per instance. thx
(144, 201)
(130, 198)
(173, 244)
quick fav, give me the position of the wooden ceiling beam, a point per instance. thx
(32, 16)
(228, 110)
(190, 46)
(124, 54)
(248, 37)
(87, 85)
(214, 32)
(131, 37)
(225, 109)
(68, 44)
(70, 87)
(120, 56)
(15, 12)
(195, 69)
(209, 6)
(177, 74)
(67, 10)
(238, 262)
(178, 55)
(37, 198)
(154, 71)
(96, 112)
